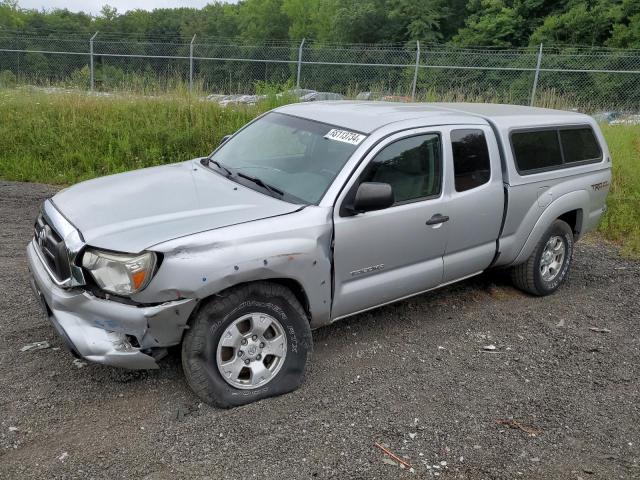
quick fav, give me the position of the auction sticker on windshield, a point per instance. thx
(345, 136)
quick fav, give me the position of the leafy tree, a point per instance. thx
(587, 23)
(108, 13)
(492, 22)
(363, 21)
(626, 35)
(311, 18)
(613, 23)
(263, 19)
(10, 15)
(626, 32)
(216, 19)
(419, 19)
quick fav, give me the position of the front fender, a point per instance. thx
(568, 202)
(294, 247)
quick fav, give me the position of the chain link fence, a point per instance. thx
(587, 79)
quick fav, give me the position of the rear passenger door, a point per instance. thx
(475, 200)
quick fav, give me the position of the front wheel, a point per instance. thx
(248, 343)
(548, 265)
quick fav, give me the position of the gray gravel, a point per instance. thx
(555, 399)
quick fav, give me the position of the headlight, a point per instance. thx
(120, 273)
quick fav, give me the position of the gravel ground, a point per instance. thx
(555, 399)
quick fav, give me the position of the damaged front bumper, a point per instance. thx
(105, 331)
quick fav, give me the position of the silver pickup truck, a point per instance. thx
(309, 214)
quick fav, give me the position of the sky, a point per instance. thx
(94, 6)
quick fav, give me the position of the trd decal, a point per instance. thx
(600, 186)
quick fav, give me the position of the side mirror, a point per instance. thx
(224, 139)
(372, 196)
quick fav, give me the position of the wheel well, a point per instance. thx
(297, 290)
(293, 285)
(573, 219)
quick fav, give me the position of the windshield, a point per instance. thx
(297, 157)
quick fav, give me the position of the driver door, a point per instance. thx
(385, 255)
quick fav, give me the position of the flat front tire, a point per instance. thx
(248, 343)
(548, 266)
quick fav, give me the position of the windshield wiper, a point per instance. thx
(221, 166)
(261, 183)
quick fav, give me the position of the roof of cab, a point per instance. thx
(367, 116)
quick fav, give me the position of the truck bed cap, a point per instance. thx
(367, 116)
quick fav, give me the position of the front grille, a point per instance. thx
(52, 249)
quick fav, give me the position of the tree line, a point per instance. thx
(500, 23)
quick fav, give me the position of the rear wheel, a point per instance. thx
(548, 265)
(249, 343)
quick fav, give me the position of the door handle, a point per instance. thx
(437, 218)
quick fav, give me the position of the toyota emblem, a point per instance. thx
(42, 235)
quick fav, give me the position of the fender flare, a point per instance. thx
(566, 203)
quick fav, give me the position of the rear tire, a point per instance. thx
(264, 352)
(548, 266)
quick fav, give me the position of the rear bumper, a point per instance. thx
(101, 330)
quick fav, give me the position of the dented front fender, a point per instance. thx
(295, 246)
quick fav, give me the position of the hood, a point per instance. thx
(130, 212)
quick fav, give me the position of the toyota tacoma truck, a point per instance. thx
(307, 215)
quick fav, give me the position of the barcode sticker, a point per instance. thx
(345, 136)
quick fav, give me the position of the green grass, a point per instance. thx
(64, 138)
(622, 221)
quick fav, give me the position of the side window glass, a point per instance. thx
(536, 150)
(579, 145)
(412, 166)
(471, 163)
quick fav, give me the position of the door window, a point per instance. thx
(471, 163)
(412, 166)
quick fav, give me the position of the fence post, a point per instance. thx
(91, 61)
(299, 62)
(535, 78)
(191, 63)
(415, 73)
